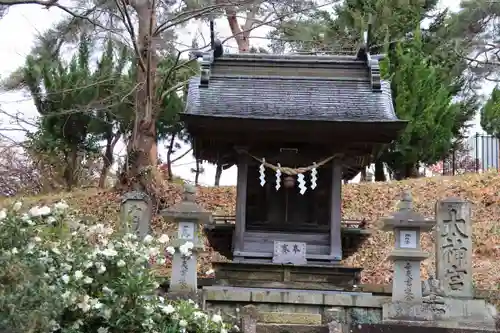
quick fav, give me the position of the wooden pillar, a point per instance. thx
(336, 211)
(241, 205)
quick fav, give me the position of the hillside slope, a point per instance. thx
(368, 200)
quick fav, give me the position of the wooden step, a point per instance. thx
(291, 328)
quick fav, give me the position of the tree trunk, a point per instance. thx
(379, 171)
(363, 175)
(240, 36)
(218, 174)
(197, 172)
(406, 171)
(143, 155)
(170, 150)
(69, 171)
(108, 158)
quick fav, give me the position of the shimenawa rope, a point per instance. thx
(291, 171)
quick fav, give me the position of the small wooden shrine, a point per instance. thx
(296, 126)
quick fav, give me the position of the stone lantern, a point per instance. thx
(187, 215)
(407, 226)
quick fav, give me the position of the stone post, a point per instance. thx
(135, 213)
(188, 216)
(407, 255)
(454, 248)
(249, 318)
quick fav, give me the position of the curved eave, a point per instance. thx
(243, 130)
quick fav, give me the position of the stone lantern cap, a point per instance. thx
(187, 209)
(406, 217)
(135, 196)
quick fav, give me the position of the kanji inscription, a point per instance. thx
(290, 253)
(186, 230)
(454, 249)
(408, 239)
(409, 296)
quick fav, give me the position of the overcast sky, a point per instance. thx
(23, 23)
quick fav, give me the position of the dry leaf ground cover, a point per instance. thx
(367, 200)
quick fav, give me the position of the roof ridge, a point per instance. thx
(283, 57)
(289, 78)
(291, 61)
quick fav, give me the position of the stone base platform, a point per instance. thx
(451, 313)
(400, 328)
(268, 275)
(293, 306)
(291, 328)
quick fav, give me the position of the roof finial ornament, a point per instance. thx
(216, 51)
(372, 62)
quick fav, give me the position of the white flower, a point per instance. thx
(163, 239)
(61, 206)
(102, 330)
(78, 275)
(55, 325)
(26, 218)
(34, 211)
(84, 304)
(65, 267)
(148, 239)
(76, 325)
(96, 304)
(17, 206)
(120, 263)
(109, 252)
(3, 214)
(37, 239)
(56, 250)
(183, 323)
(199, 315)
(30, 247)
(14, 250)
(66, 295)
(87, 280)
(39, 211)
(101, 268)
(51, 220)
(65, 278)
(153, 252)
(106, 313)
(223, 330)
(171, 250)
(186, 248)
(217, 318)
(107, 290)
(167, 309)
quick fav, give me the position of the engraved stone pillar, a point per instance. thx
(135, 213)
(249, 319)
(187, 215)
(454, 247)
(407, 255)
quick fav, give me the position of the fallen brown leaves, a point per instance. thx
(369, 200)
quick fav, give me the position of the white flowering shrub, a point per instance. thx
(59, 275)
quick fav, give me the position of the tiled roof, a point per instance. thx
(265, 87)
(290, 99)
